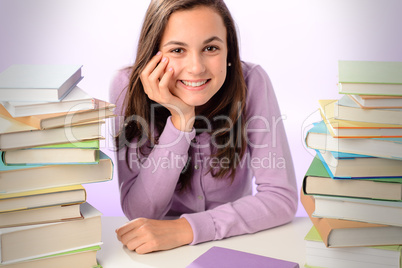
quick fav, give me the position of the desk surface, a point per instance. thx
(284, 242)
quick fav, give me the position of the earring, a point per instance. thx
(229, 64)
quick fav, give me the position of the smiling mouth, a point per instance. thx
(194, 84)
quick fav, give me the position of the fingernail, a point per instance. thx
(164, 59)
(170, 69)
(157, 54)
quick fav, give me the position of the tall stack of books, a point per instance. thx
(50, 131)
(352, 190)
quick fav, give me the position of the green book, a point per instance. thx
(317, 181)
(84, 257)
(370, 77)
(93, 248)
(90, 144)
(84, 152)
(317, 255)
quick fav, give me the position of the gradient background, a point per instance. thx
(297, 42)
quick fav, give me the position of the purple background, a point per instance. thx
(297, 42)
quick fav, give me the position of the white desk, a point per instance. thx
(284, 242)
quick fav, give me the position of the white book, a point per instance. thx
(370, 77)
(34, 241)
(29, 82)
(368, 101)
(357, 209)
(346, 109)
(40, 215)
(318, 255)
(14, 179)
(76, 100)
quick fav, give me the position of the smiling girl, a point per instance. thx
(199, 124)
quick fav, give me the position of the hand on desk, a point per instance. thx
(147, 235)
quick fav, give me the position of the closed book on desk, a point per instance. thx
(67, 153)
(17, 135)
(370, 77)
(26, 178)
(345, 233)
(29, 82)
(355, 129)
(80, 258)
(34, 241)
(100, 111)
(317, 181)
(218, 257)
(76, 99)
(319, 138)
(317, 255)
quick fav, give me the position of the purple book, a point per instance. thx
(217, 257)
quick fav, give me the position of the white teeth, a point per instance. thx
(194, 84)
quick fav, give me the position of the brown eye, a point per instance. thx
(210, 48)
(177, 50)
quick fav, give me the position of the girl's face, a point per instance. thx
(194, 41)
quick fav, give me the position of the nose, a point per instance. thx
(196, 64)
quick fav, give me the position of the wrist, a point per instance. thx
(186, 235)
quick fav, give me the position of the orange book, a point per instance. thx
(344, 233)
(377, 102)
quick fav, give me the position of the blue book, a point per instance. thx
(340, 155)
(319, 138)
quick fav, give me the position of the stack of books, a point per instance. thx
(50, 132)
(352, 190)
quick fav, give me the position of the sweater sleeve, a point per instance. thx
(269, 158)
(147, 184)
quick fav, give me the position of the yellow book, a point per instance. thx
(101, 110)
(355, 129)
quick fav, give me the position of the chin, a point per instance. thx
(195, 103)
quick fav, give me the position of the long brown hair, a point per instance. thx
(228, 101)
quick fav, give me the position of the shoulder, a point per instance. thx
(254, 73)
(261, 97)
(257, 80)
(118, 87)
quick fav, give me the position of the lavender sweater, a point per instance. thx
(214, 208)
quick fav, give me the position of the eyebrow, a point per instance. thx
(178, 43)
